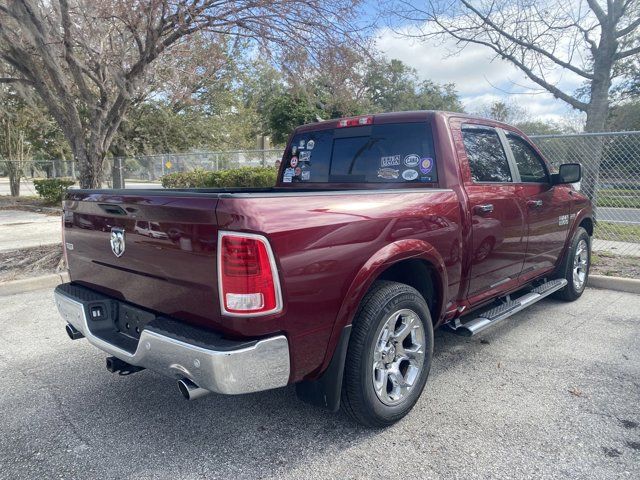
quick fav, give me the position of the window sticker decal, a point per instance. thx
(388, 173)
(390, 161)
(410, 174)
(426, 165)
(287, 177)
(411, 160)
(294, 162)
(311, 144)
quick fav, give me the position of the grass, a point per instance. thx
(619, 232)
(619, 198)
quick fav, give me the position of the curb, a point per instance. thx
(619, 284)
(30, 284)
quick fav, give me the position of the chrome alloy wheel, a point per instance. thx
(398, 356)
(580, 264)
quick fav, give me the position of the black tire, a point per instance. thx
(359, 398)
(572, 292)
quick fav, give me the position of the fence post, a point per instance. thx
(116, 173)
(121, 169)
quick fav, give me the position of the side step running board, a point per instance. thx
(495, 315)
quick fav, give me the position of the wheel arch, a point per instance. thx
(421, 275)
(587, 224)
(403, 261)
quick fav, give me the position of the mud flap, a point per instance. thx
(325, 391)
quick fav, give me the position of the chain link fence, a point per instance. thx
(152, 168)
(610, 161)
(611, 177)
(147, 170)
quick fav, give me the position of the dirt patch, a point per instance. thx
(30, 262)
(611, 265)
(29, 204)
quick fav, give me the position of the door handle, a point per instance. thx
(487, 208)
(535, 203)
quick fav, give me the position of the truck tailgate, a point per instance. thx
(169, 258)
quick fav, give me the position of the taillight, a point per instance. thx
(247, 275)
(355, 121)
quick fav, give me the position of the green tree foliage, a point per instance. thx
(625, 116)
(27, 134)
(538, 127)
(392, 86)
(385, 86)
(288, 111)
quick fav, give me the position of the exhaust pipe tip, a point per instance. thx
(73, 333)
(191, 391)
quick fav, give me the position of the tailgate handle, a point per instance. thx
(112, 209)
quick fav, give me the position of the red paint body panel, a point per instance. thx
(330, 241)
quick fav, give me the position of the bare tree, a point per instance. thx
(89, 60)
(594, 40)
(15, 153)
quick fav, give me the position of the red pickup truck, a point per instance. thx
(380, 229)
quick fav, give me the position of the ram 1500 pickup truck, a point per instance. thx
(379, 229)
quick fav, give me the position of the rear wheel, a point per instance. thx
(575, 266)
(389, 355)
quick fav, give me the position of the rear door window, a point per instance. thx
(386, 153)
(487, 160)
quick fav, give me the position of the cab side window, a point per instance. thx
(530, 165)
(487, 160)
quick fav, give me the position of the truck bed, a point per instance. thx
(321, 240)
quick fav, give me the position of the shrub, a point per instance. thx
(52, 190)
(237, 177)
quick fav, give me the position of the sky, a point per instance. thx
(480, 78)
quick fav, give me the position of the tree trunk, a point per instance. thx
(597, 112)
(15, 173)
(594, 146)
(90, 164)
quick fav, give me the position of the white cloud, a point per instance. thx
(480, 78)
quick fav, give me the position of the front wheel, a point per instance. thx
(389, 355)
(575, 266)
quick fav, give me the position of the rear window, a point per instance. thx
(388, 153)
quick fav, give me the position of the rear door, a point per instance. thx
(498, 228)
(547, 207)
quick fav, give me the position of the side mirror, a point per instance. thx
(568, 173)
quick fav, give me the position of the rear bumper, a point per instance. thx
(177, 350)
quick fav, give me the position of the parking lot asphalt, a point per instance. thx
(553, 392)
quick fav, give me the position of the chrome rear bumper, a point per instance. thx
(261, 366)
